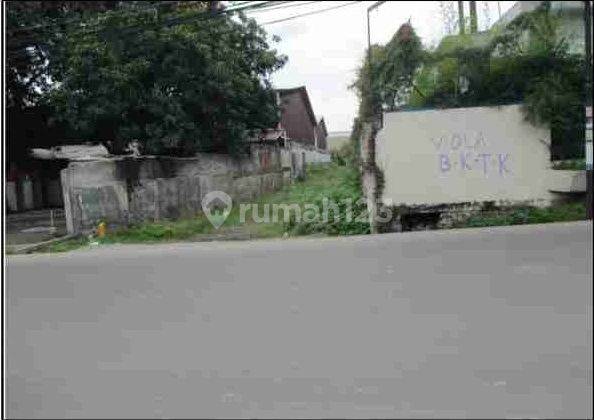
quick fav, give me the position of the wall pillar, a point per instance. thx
(65, 178)
(28, 194)
(369, 172)
(11, 197)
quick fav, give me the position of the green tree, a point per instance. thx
(392, 70)
(367, 83)
(33, 32)
(177, 79)
(527, 61)
(403, 57)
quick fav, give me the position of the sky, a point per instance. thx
(325, 49)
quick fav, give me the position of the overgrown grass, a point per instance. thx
(529, 215)
(159, 231)
(65, 245)
(342, 189)
(335, 182)
(332, 181)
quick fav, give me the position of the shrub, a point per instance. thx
(347, 190)
(528, 215)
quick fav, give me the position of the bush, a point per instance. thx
(345, 155)
(570, 165)
(528, 61)
(347, 190)
(529, 215)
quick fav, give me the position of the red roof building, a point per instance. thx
(298, 119)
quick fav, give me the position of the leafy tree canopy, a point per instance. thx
(176, 77)
(34, 29)
(526, 61)
(392, 69)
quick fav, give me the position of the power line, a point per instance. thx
(77, 20)
(315, 12)
(246, 6)
(258, 6)
(284, 6)
(29, 39)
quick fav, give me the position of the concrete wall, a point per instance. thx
(126, 190)
(315, 157)
(566, 181)
(11, 197)
(312, 155)
(463, 155)
(28, 194)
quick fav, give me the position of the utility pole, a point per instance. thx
(588, 45)
(372, 98)
(473, 18)
(369, 168)
(461, 17)
(369, 9)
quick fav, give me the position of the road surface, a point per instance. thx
(468, 323)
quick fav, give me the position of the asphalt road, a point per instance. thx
(471, 323)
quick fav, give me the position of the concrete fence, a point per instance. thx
(31, 193)
(311, 155)
(464, 155)
(120, 191)
(438, 167)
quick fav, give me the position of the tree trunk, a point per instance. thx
(461, 17)
(473, 18)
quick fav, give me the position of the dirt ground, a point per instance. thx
(34, 226)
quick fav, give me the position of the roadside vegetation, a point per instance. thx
(570, 165)
(148, 91)
(567, 212)
(528, 61)
(160, 73)
(334, 181)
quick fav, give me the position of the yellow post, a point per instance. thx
(101, 229)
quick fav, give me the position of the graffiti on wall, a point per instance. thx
(470, 152)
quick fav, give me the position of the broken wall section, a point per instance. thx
(126, 190)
